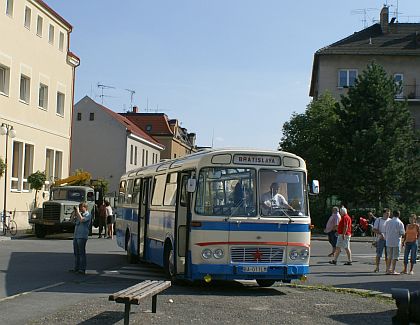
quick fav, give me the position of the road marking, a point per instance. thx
(35, 290)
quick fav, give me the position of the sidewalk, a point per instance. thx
(362, 239)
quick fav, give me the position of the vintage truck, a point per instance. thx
(55, 214)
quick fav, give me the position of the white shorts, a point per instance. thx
(343, 243)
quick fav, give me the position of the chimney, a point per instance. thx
(191, 138)
(135, 109)
(384, 18)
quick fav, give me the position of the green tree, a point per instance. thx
(376, 143)
(311, 135)
(36, 181)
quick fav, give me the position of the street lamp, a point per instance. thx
(6, 130)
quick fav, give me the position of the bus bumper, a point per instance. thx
(245, 271)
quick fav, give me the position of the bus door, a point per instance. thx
(182, 224)
(144, 213)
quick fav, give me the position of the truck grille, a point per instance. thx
(51, 211)
(257, 254)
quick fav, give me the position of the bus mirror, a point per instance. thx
(315, 186)
(191, 185)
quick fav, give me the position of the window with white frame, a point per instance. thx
(9, 8)
(49, 168)
(25, 88)
(399, 79)
(51, 34)
(131, 154)
(39, 23)
(17, 157)
(4, 80)
(28, 16)
(60, 103)
(135, 155)
(58, 163)
(43, 96)
(346, 78)
(61, 41)
(28, 165)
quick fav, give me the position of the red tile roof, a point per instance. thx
(54, 13)
(158, 122)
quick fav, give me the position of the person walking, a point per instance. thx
(343, 240)
(81, 234)
(331, 229)
(109, 220)
(102, 219)
(379, 231)
(394, 230)
(412, 233)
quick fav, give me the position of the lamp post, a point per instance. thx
(6, 130)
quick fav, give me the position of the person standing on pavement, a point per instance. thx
(102, 219)
(394, 230)
(412, 234)
(379, 231)
(344, 234)
(81, 233)
(331, 229)
(109, 220)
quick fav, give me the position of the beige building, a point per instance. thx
(36, 98)
(176, 139)
(395, 46)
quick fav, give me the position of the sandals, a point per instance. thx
(348, 263)
(333, 262)
(331, 255)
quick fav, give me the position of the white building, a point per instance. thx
(36, 98)
(107, 145)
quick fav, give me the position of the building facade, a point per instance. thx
(36, 98)
(107, 145)
(176, 139)
(395, 46)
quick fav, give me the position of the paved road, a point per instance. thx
(35, 288)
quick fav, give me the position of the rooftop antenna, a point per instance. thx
(102, 87)
(132, 92)
(363, 12)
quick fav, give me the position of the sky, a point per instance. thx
(231, 71)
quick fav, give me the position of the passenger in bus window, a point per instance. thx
(273, 200)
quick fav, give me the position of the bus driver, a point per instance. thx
(274, 200)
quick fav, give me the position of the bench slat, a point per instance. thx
(135, 296)
(129, 290)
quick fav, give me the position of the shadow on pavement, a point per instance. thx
(104, 318)
(364, 318)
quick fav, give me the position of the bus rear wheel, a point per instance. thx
(265, 283)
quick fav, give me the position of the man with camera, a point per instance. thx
(82, 219)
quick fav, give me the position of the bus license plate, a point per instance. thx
(255, 269)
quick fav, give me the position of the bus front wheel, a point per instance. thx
(169, 263)
(265, 283)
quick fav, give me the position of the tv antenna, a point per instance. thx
(102, 87)
(363, 12)
(132, 92)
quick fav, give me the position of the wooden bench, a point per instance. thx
(135, 293)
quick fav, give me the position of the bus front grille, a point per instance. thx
(257, 254)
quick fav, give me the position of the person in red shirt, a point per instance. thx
(344, 234)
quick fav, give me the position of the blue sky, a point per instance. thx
(232, 71)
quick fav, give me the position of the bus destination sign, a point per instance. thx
(257, 160)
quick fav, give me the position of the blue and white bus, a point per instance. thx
(207, 216)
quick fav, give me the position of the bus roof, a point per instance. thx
(227, 156)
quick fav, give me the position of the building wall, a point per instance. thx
(22, 51)
(329, 66)
(139, 154)
(173, 148)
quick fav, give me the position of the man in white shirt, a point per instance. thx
(273, 200)
(394, 230)
(379, 230)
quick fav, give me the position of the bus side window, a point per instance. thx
(129, 193)
(158, 189)
(170, 189)
(184, 193)
(121, 196)
(136, 191)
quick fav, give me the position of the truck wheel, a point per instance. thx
(40, 231)
(265, 283)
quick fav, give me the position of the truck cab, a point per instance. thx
(55, 214)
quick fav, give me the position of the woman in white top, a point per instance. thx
(109, 220)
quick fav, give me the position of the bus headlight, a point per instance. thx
(218, 253)
(304, 254)
(206, 254)
(293, 254)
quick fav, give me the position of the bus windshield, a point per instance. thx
(226, 192)
(282, 193)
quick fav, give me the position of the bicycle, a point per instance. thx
(9, 224)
